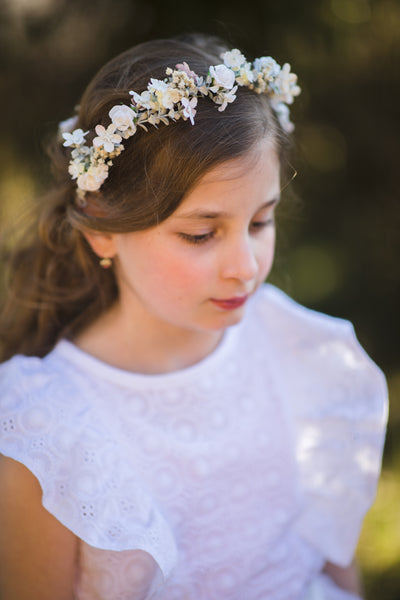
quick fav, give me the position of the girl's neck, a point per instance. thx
(142, 347)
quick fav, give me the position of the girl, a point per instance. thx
(171, 427)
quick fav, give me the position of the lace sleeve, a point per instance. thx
(339, 417)
(47, 424)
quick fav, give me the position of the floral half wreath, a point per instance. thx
(173, 98)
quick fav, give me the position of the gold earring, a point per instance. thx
(105, 263)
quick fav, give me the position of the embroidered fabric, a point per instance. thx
(235, 478)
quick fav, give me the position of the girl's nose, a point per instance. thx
(239, 261)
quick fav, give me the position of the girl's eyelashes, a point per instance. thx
(196, 239)
(202, 238)
(257, 225)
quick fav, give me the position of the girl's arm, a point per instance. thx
(37, 553)
(347, 578)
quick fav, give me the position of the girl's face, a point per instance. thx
(196, 270)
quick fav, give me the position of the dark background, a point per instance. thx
(338, 234)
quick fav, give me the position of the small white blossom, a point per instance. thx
(223, 76)
(75, 169)
(122, 116)
(76, 138)
(106, 137)
(188, 108)
(268, 67)
(143, 100)
(80, 152)
(282, 112)
(233, 59)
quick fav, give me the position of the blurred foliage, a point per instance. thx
(338, 238)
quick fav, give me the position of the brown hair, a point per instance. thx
(57, 285)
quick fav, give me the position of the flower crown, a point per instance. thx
(173, 98)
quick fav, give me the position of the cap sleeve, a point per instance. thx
(85, 476)
(339, 410)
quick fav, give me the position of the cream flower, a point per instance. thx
(225, 98)
(223, 76)
(233, 59)
(106, 137)
(92, 180)
(122, 117)
(286, 83)
(76, 138)
(245, 75)
(167, 95)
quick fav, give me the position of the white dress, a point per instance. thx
(233, 479)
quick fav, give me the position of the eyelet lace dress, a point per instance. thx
(233, 479)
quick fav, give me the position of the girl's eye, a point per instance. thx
(257, 225)
(197, 239)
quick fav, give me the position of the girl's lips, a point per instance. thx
(230, 303)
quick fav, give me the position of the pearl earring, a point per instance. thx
(105, 263)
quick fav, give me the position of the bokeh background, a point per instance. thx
(338, 234)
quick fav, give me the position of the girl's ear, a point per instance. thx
(101, 243)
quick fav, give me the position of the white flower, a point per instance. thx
(106, 137)
(122, 116)
(188, 108)
(268, 67)
(282, 112)
(92, 180)
(76, 138)
(75, 168)
(223, 76)
(233, 59)
(171, 97)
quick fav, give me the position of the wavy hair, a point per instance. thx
(55, 286)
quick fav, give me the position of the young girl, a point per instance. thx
(171, 427)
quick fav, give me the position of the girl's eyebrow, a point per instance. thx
(199, 214)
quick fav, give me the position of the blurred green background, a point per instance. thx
(338, 233)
